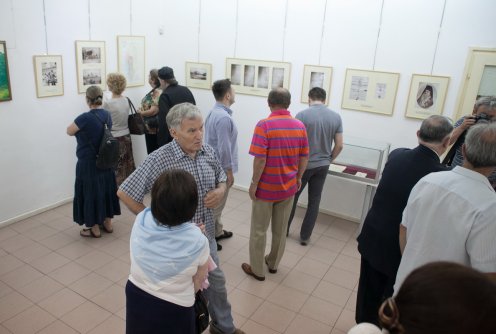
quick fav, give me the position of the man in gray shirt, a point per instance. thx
(221, 133)
(323, 127)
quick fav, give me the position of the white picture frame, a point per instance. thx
(131, 59)
(198, 75)
(49, 75)
(90, 64)
(316, 76)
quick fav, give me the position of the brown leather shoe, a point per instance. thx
(272, 271)
(247, 269)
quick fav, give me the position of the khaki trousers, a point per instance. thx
(262, 213)
(217, 212)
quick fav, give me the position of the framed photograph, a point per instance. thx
(370, 91)
(198, 75)
(131, 59)
(257, 77)
(49, 75)
(316, 76)
(90, 61)
(427, 96)
(5, 91)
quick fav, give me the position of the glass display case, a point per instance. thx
(361, 160)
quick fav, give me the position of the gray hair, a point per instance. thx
(485, 101)
(480, 145)
(180, 112)
(434, 129)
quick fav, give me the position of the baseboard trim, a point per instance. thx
(35, 212)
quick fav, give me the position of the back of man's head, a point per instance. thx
(480, 145)
(220, 88)
(435, 129)
(279, 98)
(317, 94)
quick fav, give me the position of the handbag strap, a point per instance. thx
(131, 106)
(103, 131)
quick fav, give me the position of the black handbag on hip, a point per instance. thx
(135, 121)
(202, 317)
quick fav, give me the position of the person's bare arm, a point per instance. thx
(258, 167)
(214, 196)
(135, 207)
(302, 166)
(230, 178)
(72, 129)
(467, 123)
(402, 238)
(200, 276)
(338, 146)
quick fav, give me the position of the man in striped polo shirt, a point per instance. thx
(280, 149)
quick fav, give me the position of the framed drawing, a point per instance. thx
(427, 96)
(370, 91)
(5, 91)
(131, 59)
(257, 77)
(49, 75)
(199, 75)
(316, 76)
(90, 61)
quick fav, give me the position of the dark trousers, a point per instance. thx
(373, 288)
(315, 178)
(151, 142)
(151, 315)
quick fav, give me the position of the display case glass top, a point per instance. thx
(361, 159)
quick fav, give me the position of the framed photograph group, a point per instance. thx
(316, 76)
(5, 92)
(427, 96)
(49, 75)
(257, 77)
(370, 91)
(90, 61)
(198, 75)
(131, 59)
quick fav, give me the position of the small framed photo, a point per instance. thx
(49, 76)
(90, 61)
(131, 59)
(370, 91)
(427, 96)
(257, 77)
(199, 75)
(316, 76)
(5, 91)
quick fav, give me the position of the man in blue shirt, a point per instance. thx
(221, 133)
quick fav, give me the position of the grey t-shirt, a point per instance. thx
(119, 110)
(322, 125)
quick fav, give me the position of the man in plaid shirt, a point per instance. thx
(188, 152)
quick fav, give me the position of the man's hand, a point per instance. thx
(213, 197)
(298, 184)
(467, 122)
(230, 178)
(252, 191)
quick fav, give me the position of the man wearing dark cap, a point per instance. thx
(172, 94)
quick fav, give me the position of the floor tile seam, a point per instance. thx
(55, 318)
(15, 288)
(96, 324)
(285, 307)
(330, 302)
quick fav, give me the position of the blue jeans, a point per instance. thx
(218, 306)
(315, 178)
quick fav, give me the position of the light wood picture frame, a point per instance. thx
(198, 75)
(426, 96)
(49, 75)
(5, 90)
(370, 91)
(316, 76)
(257, 77)
(131, 59)
(91, 64)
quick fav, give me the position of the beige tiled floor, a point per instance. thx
(54, 281)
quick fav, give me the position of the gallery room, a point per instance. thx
(376, 59)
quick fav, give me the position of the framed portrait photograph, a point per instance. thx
(49, 76)
(257, 77)
(316, 76)
(370, 91)
(131, 59)
(427, 96)
(5, 91)
(198, 75)
(90, 61)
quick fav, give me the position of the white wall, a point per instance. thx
(38, 159)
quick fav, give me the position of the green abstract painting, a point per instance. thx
(5, 93)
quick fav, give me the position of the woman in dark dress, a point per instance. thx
(95, 199)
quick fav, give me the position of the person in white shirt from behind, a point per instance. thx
(451, 216)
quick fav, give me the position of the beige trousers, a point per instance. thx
(218, 213)
(262, 213)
